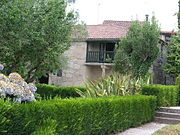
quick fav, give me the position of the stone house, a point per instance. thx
(93, 57)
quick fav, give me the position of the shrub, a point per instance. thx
(50, 91)
(14, 87)
(80, 116)
(113, 85)
(178, 85)
(178, 81)
(4, 108)
(48, 127)
(166, 95)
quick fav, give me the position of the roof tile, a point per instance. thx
(105, 32)
(110, 30)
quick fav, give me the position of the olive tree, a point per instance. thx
(33, 36)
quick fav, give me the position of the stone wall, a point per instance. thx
(75, 72)
(93, 72)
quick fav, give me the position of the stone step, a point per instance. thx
(168, 115)
(170, 109)
(166, 120)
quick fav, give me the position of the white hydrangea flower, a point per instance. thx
(1, 67)
(15, 86)
(2, 86)
(32, 87)
(17, 90)
(18, 99)
(16, 78)
(2, 92)
(27, 96)
(24, 85)
(8, 89)
(31, 98)
(4, 78)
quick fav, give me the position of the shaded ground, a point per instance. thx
(146, 129)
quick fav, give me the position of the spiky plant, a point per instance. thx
(113, 85)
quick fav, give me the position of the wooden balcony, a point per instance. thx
(100, 56)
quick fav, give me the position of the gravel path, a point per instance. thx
(146, 129)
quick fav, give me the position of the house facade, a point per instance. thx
(93, 58)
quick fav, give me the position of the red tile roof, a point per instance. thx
(105, 32)
(110, 30)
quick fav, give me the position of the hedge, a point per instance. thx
(178, 81)
(80, 116)
(167, 95)
(50, 91)
(4, 121)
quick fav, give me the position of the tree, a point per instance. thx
(178, 15)
(33, 36)
(172, 65)
(136, 52)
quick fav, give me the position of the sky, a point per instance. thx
(96, 11)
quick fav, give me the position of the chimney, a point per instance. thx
(147, 17)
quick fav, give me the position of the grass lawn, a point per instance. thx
(169, 130)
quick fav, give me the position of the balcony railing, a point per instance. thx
(100, 56)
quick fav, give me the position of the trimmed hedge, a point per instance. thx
(4, 121)
(178, 81)
(167, 95)
(50, 91)
(81, 116)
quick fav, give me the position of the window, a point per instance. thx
(59, 73)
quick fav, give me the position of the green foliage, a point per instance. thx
(80, 32)
(178, 85)
(178, 16)
(47, 127)
(166, 95)
(90, 116)
(172, 65)
(113, 85)
(37, 96)
(136, 52)
(33, 36)
(4, 108)
(178, 80)
(50, 91)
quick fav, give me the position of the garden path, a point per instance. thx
(146, 129)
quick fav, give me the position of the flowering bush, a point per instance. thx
(1, 67)
(14, 87)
